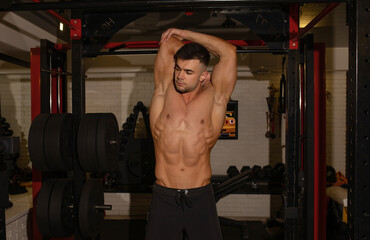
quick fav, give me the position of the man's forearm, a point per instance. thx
(215, 45)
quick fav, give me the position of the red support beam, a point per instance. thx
(293, 25)
(35, 110)
(320, 203)
(314, 21)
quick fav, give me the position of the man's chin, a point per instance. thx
(180, 89)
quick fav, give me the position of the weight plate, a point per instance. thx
(58, 142)
(107, 142)
(36, 141)
(86, 142)
(89, 217)
(42, 207)
(60, 214)
(140, 164)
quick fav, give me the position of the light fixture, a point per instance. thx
(61, 26)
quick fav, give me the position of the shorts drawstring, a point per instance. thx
(182, 199)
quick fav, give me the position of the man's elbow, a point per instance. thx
(230, 51)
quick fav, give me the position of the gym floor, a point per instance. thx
(134, 229)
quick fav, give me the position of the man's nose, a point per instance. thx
(180, 75)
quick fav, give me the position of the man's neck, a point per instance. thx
(189, 96)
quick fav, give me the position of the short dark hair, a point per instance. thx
(193, 50)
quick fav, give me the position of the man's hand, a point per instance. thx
(178, 33)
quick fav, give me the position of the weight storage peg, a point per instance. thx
(50, 142)
(98, 142)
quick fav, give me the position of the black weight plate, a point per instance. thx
(89, 217)
(140, 164)
(60, 215)
(36, 141)
(58, 142)
(107, 142)
(86, 142)
(42, 207)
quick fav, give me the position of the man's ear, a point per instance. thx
(205, 78)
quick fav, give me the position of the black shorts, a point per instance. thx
(175, 213)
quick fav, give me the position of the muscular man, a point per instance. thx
(187, 113)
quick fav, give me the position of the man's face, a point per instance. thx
(188, 74)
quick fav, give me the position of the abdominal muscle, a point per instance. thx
(182, 150)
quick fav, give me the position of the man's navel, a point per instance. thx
(168, 116)
(202, 121)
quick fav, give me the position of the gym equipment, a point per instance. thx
(97, 142)
(107, 142)
(245, 168)
(58, 141)
(232, 171)
(42, 207)
(137, 157)
(55, 208)
(49, 142)
(279, 169)
(36, 141)
(232, 184)
(91, 208)
(9, 145)
(60, 211)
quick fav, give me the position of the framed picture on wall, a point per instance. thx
(230, 128)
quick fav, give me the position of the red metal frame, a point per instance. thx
(62, 19)
(314, 21)
(35, 110)
(320, 203)
(155, 44)
(293, 25)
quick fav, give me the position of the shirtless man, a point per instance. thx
(187, 113)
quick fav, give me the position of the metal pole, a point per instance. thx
(152, 6)
(62, 19)
(314, 21)
(358, 118)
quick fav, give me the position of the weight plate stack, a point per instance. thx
(98, 142)
(42, 207)
(36, 141)
(89, 215)
(86, 142)
(50, 142)
(54, 216)
(60, 212)
(107, 142)
(58, 142)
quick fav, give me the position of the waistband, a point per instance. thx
(189, 192)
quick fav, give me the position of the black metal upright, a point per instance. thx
(307, 135)
(291, 212)
(358, 119)
(78, 110)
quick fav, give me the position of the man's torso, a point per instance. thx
(183, 136)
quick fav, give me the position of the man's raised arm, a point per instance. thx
(225, 71)
(165, 63)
